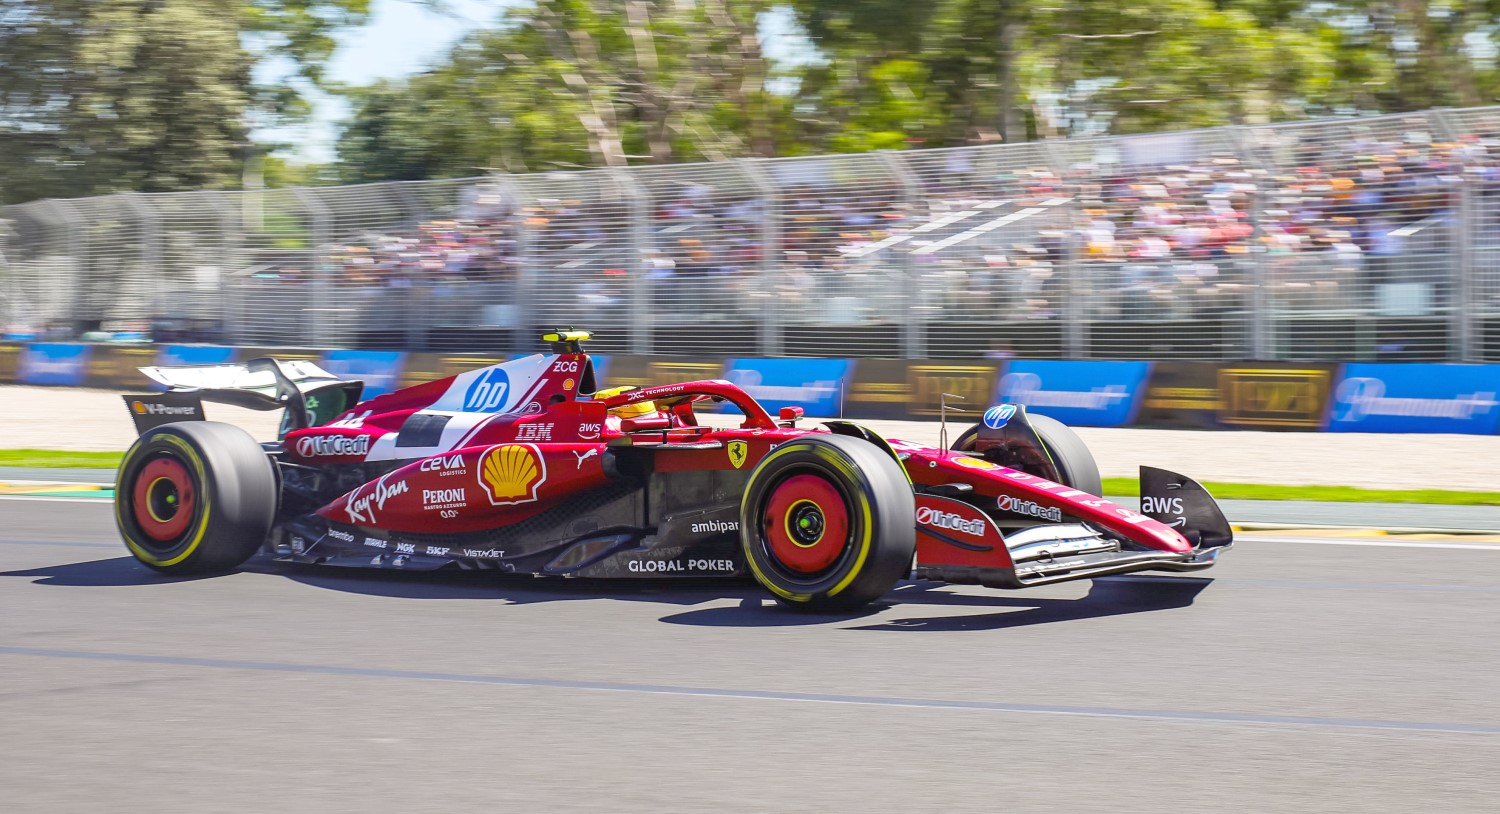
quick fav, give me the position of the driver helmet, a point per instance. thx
(640, 408)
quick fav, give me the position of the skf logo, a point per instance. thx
(511, 473)
(738, 452)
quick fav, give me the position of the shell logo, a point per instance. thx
(511, 473)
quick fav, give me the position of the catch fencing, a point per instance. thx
(1362, 239)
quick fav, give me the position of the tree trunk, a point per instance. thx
(1005, 76)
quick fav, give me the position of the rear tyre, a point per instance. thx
(1075, 464)
(195, 497)
(828, 523)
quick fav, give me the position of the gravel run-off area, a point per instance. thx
(74, 419)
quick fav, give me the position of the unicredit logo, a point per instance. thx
(929, 516)
(314, 446)
(1010, 504)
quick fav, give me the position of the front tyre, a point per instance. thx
(195, 497)
(1075, 464)
(828, 523)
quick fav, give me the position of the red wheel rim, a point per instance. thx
(806, 524)
(163, 499)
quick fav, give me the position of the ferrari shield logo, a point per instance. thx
(738, 451)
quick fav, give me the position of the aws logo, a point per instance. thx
(511, 473)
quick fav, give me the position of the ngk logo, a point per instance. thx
(928, 516)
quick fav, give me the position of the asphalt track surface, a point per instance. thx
(1295, 676)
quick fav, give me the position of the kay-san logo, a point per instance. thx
(488, 392)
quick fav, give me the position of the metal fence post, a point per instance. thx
(770, 265)
(913, 328)
(10, 285)
(1464, 345)
(1075, 310)
(318, 215)
(74, 240)
(523, 289)
(229, 322)
(1262, 329)
(638, 204)
(150, 249)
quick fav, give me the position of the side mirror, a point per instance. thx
(791, 413)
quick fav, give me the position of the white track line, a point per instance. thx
(102, 501)
(1244, 542)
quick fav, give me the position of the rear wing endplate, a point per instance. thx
(309, 394)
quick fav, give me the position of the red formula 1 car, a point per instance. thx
(524, 467)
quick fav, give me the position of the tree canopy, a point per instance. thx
(105, 95)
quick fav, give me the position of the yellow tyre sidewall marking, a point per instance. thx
(788, 523)
(151, 510)
(197, 463)
(844, 466)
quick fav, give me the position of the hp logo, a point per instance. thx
(995, 417)
(487, 393)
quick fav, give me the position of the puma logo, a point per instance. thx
(584, 456)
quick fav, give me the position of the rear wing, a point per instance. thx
(309, 394)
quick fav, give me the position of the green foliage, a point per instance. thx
(105, 95)
(100, 96)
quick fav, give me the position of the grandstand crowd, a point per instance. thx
(1328, 218)
(1337, 221)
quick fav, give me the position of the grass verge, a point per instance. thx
(52, 459)
(1328, 494)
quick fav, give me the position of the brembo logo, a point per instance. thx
(929, 516)
(1010, 504)
(314, 446)
(1363, 396)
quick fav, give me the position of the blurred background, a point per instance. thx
(1166, 179)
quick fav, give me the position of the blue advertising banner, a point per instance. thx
(1084, 394)
(815, 385)
(54, 363)
(1417, 398)
(170, 355)
(379, 370)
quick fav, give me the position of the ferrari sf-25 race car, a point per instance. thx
(525, 467)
